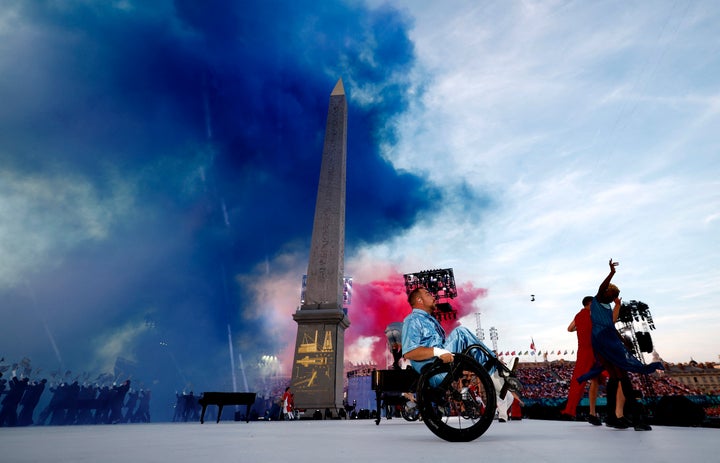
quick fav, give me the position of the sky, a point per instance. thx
(159, 165)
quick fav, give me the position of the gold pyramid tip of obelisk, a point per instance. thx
(339, 89)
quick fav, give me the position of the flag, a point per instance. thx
(532, 344)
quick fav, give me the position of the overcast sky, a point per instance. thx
(159, 164)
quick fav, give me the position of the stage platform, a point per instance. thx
(396, 440)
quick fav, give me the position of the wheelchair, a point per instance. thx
(457, 400)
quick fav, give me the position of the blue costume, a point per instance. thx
(608, 345)
(420, 329)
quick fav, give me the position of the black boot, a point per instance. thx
(634, 409)
(611, 395)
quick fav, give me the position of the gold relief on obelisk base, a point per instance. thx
(314, 363)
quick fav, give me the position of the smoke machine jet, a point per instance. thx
(317, 375)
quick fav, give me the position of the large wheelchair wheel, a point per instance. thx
(457, 400)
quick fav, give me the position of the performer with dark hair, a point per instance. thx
(288, 407)
(585, 361)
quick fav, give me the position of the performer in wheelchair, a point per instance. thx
(424, 340)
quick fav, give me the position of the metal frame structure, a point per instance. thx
(637, 312)
(441, 284)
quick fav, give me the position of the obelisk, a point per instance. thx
(317, 376)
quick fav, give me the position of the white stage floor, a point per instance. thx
(529, 441)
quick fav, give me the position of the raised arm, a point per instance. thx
(604, 285)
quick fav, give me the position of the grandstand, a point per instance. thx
(545, 386)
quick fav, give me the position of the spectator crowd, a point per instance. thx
(549, 381)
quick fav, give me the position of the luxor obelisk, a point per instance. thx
(317, 375)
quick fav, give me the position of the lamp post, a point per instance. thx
(479, 332)
(494, 338)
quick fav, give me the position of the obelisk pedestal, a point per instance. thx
(317, 375)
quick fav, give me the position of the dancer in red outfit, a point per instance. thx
(288, 400)
(585, 361)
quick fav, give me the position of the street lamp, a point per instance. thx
(494, 338)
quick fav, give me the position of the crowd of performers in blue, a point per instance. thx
(70, 403)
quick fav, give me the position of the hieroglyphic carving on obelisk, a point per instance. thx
(317, 376)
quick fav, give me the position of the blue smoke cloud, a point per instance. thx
(166, 147)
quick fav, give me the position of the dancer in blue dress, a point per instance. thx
(611, 351)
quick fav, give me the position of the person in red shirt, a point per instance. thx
(288, 400)
(582, 325)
